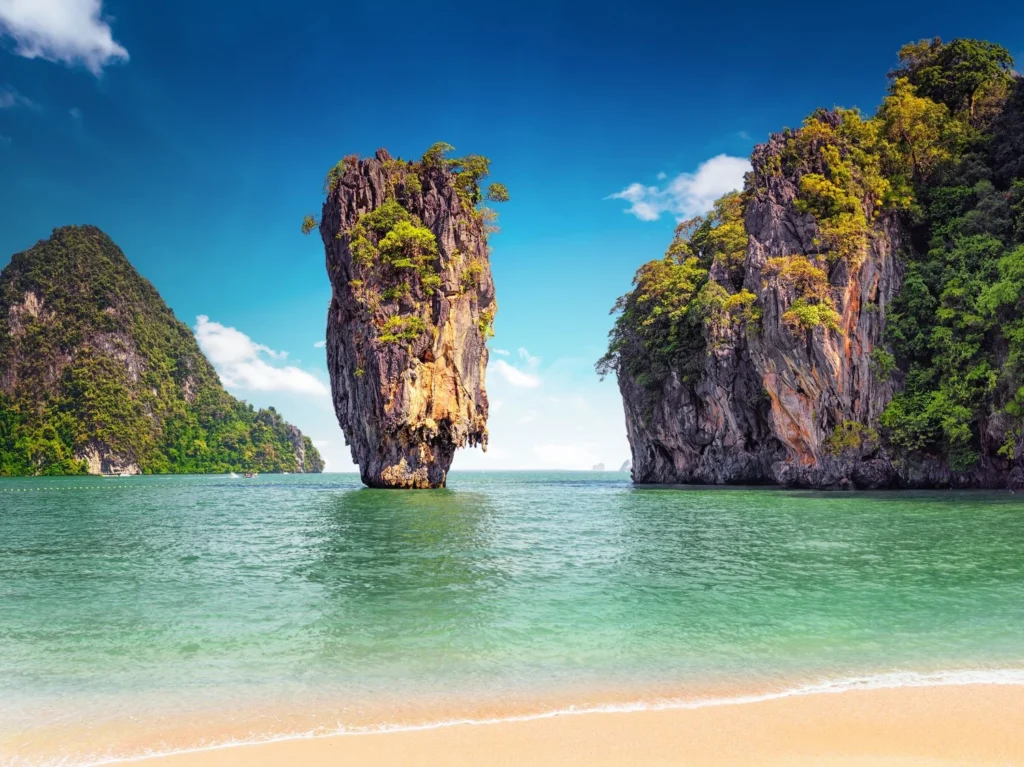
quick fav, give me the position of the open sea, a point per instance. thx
(154, 614)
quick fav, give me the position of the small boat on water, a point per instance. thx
(117, 476)
(249, 474)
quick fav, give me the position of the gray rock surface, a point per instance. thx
(405, 407)
(766, 403)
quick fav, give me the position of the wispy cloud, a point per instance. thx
(502, 352)
(320, 345)
(242, 363)
(9, 97)
(515, 376)
(523, 376)
(569, 420)
(71, 32)
(530, 361)
(688, 194)
(76, 114)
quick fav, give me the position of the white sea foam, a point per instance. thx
(885, 681)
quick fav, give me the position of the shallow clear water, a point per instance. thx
(150, 597)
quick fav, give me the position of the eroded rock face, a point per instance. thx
(306, 456)
(773, 403)
(409, 318)
(767, 402)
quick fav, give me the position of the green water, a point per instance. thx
(165, 594)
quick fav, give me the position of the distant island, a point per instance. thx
(97, 376)
(597, 467)
(411, 310)
(853, 316)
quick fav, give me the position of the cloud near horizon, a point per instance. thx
(71, 32)
(549, 415)
(241, 362)
(688, 194)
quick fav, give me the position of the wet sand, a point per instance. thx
(964, 725)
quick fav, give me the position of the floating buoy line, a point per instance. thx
(98, 486)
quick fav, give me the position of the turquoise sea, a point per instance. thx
(149, 614)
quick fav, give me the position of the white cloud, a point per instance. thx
(515, 376)
(662, 176)
(571, 420)
(320, 345)
(502, 352)
(11, 98)
(688, 194)
(520, 377)
(68, 31)
(241, 365)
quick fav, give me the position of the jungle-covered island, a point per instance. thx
(855, 315)
(412, 308)
(97, 376)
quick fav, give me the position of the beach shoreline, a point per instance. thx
(922, 721)
(289, 618)
(940, 725)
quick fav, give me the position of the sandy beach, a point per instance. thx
(966, 725)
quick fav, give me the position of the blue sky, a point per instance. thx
(197, 134)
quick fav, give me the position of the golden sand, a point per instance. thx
(965, 725)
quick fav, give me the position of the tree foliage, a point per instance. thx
(958, 73)
(497, 192)
(956, 326)
(395, 257)
(944, 154)
(661, 324)
(90, 355)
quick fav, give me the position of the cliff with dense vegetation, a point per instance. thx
(855, 315)
(411, 311)
(98, 376)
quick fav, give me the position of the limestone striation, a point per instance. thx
(411, 311)
(848, 319)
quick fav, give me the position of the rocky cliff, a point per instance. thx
(412, 308)
(98, 376)
(849, 318)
